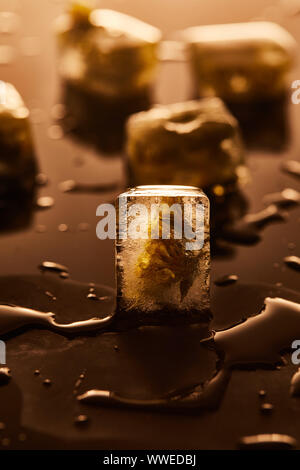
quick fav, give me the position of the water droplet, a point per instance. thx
(64, 275)
(266, 408)
(67, 186)
(81, 419)
(50, 295)
(261, 338)
(262, 393)
(292, 262)
(37, 372)
(267, 215)
(58, 111)
(5, 375)
(226, 280)
(291, 167)
(92, 296)
(63, 228)
(14, 317)
(287, 197)
(116, 348)
(45, 202)
(267, 442)
(47, 382)
(73, 186)
(41, 179)
(51, 266)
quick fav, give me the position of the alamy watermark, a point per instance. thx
(140, 221)
(2, 352)
(296, 93)
(296, 354)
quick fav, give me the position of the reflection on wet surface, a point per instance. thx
(264, 125)
(97, 121)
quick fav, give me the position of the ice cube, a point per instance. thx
(195, 143)
(163, 254)
(17, 159)
(240, 61)
(107, 52)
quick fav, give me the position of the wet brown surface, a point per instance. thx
(147, 364)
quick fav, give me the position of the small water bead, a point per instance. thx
(5, 375)
(291, 167)
(262, 393)
(266, 408)
(52, 266)
(41, 179)
(287, 197)
(45, 202)
(81, 420)
(267, 442)
(67, 186)
(74, 186)
(63, 228)
(292, 262)
(37, 372)
(226, 280)
(58, 111)
(268, 215)
(50, 295)
(92, 296)
(47, 382)
(64, 275)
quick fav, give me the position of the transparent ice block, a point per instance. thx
(241, 61)
(196, 143)
(167, 277)
(106, 52)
